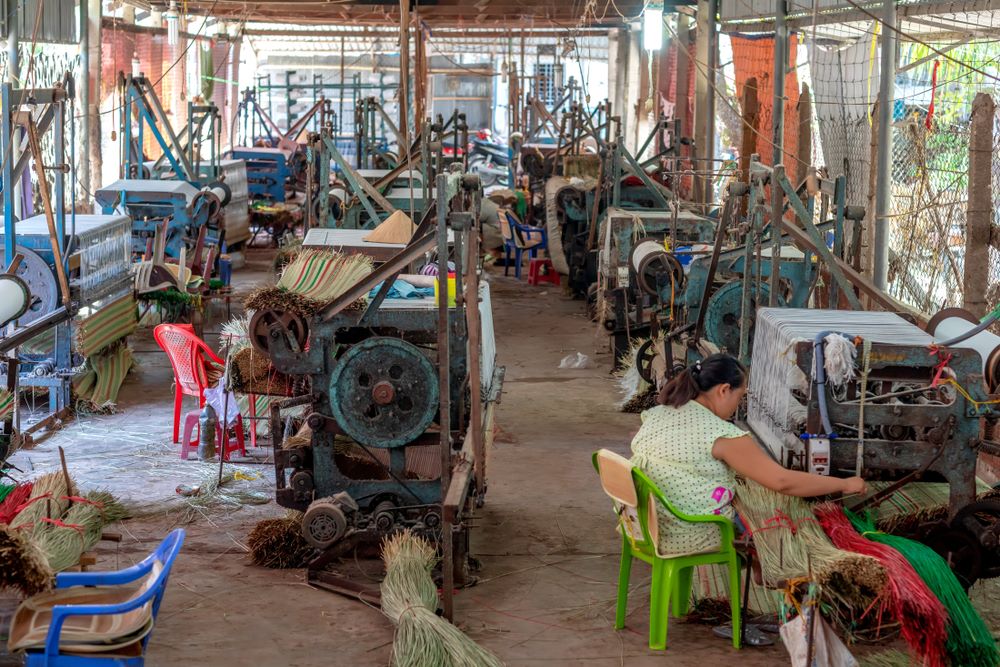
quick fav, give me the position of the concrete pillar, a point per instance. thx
(704, 97)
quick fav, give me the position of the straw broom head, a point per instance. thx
(22, 565)
(409, 599)
(278, 543)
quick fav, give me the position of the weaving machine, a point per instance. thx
(189, 188)
(275, 159)
(575, 211)
(898, 412)
(68, 265)
(716, 296)
(381, 376)
(364, 196)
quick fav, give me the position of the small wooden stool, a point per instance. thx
(540, 270)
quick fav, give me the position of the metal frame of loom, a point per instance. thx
(92, 251)
(581, 214)
(383, 375)
(180, 188)
(912, 431)
(282, 160)
(358, 206)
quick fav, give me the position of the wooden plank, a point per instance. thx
(980, 207)
(748, 144)
(458, 491)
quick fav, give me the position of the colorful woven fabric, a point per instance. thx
(107, 325)
(6, 404)
(323, 275)
(102, 376)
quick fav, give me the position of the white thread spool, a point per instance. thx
(14, 298)
(644, 250)
(953, 322)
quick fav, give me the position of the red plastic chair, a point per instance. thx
(191, 359)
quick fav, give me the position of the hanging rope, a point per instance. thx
(866, 353)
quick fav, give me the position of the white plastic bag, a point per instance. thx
(828, 650)
(216, 397)
(578, 360)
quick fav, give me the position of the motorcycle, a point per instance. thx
(488, 159)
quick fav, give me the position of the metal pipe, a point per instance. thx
(778, 139)
(887, 75)
(13, 76)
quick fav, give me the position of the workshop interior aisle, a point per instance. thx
(547, 545)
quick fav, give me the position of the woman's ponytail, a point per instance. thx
(700, 377)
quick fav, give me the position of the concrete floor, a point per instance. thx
(545, 537)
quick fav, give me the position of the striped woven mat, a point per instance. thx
(107, 325)
(102, 375)
(322, 275)
(6, 404)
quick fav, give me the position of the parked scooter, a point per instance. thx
(488, 159)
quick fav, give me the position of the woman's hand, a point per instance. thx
(854, 486)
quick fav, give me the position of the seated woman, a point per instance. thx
(689, 450)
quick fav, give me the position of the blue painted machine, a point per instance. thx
(269, 171)
(177, 205)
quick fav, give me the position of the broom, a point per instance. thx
(13, 502)
(922, 617)
(49, 499)
(970, 643)
(409, 599)
(792, 546)
(64, 540)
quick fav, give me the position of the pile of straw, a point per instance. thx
(636, 394)
(253, 373)
(792, 545)
(278, 543)
(409, 599)
(922, 618)
(970, 642)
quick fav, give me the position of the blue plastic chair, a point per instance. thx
(515, 242)
(165, 554)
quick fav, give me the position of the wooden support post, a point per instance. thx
(868, 259)
(420, 76)
(804, 168)
(980, 207)
(748, 144)
(404, 75)
(682, 101)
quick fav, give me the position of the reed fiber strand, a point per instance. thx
(923, 619)
(970, 643)
(409, 599)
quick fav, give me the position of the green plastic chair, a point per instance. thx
(635, 497)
